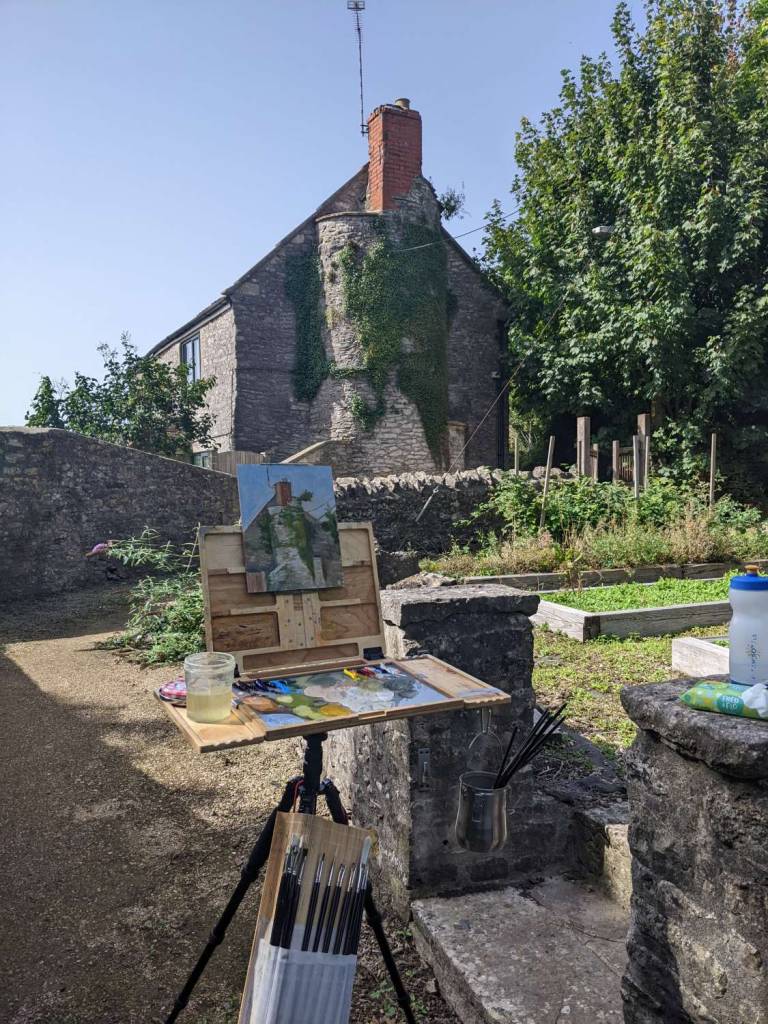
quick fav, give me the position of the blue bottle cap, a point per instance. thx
(750, 581)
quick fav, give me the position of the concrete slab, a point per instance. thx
(552, 953)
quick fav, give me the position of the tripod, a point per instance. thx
(309, 787)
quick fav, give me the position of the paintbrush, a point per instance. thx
(356, 910)
(312, 903)
(547, 725)
(278, 919)
(323, 908)
(333, 908)
(295, 897)
(345, 908)
(506, 755)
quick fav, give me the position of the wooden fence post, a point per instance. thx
(712, 467)
(646, 461)
(616, 461)
(636, 446)
(517, 456)
(582, 446)
(594, 456)
(547, 471)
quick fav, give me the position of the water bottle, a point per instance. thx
(748, 632)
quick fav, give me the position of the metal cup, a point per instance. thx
(481, 821)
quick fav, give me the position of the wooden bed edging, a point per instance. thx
(674, 618)
(699, 656)
(543, 581)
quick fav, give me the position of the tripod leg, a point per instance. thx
(253, 865)
(372, 915)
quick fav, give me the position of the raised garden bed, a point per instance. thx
(700, 656)
(548, 581)
(667, 606)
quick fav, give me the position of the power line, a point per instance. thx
(438, 241)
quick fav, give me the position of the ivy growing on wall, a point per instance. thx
(401, 307)
(303, 289)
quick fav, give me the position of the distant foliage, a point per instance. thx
(671, 310)
(141, 403)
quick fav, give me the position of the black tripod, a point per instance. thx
(309, 787)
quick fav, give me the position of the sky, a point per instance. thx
(153, 151)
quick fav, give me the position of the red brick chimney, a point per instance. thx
(394, 153)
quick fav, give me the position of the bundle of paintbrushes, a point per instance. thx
(305, 951)
(548, 724)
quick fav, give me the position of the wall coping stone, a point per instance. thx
(410, 606)
(727, 744)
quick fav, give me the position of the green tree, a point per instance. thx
(670, 310)
(45, 410)
(141, 402)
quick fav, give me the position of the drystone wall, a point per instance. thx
(698, 795)
(62, 493)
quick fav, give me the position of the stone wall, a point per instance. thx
(698, 792)
(217, 359)
(61, 493)
(393, 503)
(401, 778)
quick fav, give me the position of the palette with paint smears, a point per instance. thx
(321, 696)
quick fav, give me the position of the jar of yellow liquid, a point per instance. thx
(209, 677)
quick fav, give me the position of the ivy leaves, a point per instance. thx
(396, 295)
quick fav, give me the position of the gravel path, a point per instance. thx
(121, 845)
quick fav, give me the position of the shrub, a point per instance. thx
(166, 606)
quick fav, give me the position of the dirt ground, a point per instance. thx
(121, 846)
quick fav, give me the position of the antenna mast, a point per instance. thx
(357, 6)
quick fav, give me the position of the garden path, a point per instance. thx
(121, 845)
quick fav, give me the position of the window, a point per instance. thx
(202, 459)
(190, 356)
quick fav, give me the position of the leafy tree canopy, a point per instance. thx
(669, 311)
(141, 403)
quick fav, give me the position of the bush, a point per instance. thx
(600, 526)
(166, 606)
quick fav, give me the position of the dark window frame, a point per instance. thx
(191, 347)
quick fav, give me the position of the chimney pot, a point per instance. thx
(403, 102)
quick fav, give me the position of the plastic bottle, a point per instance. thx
(748, 632)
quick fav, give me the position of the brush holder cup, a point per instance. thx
(481, 821)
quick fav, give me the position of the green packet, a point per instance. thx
(728, 699)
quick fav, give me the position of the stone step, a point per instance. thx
(552, 952)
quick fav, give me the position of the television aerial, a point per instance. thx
(357, 6)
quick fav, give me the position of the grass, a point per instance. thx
(624, 596)
(590, 677)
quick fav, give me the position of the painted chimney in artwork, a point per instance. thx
(283, 493)
(394, 153)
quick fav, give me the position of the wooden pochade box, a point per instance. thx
(274, 635)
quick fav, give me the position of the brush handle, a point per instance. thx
(313, 896)
(323, 909)
(331, 917)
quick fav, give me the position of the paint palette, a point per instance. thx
(340, 693)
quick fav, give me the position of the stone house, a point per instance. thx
(367, 339)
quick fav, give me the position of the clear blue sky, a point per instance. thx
(153, 150)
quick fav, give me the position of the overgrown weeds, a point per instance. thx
(166, 606)
(601, 526)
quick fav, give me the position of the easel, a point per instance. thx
(308, 786)
(277, 635)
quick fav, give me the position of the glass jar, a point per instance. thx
(209, 677)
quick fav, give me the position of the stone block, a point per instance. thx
(698, 790)
(402, 777)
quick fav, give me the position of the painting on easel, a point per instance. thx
(290, 533)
